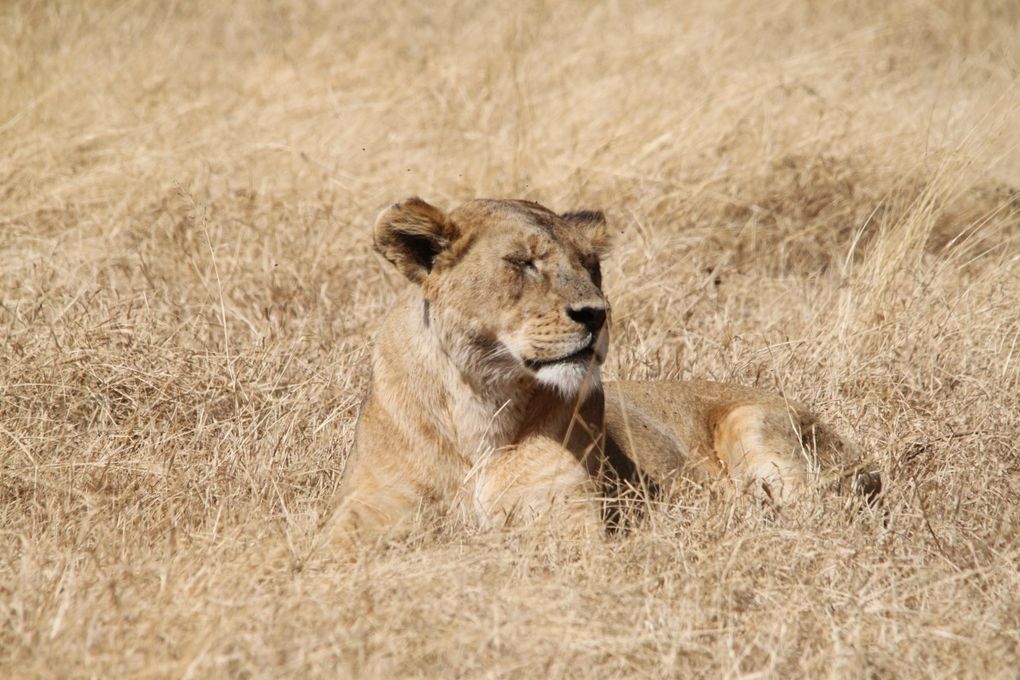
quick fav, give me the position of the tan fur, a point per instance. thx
(487, 399)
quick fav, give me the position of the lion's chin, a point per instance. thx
(570, 379)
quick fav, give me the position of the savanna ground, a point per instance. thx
(818, 198)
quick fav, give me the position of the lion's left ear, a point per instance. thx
(593, 222)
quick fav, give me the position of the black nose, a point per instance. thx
(592, 318)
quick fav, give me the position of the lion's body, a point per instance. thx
(696, 430)
(486, 396)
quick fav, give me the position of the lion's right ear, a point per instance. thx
(593, 224)
(411, 234)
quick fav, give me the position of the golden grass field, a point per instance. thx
(817, 198)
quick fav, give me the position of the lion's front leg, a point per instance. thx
(377, 497)
(537, 480)
(361, 517)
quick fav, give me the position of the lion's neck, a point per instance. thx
(470, 414)
(480, 415)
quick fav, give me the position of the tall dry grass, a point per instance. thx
(818, 198)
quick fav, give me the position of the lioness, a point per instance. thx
(487, 395)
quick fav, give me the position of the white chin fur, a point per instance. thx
(570, 379)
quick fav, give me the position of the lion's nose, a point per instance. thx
(590, 316)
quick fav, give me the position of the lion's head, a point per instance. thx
(511, 289)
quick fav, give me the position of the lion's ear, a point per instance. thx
(593, 222)
(410, 234)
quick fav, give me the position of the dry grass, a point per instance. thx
(820, 198)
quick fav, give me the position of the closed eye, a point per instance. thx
(521, 263)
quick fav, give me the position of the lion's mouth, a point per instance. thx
(584, 355)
